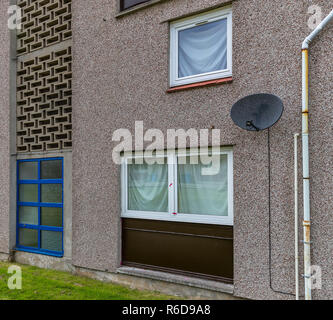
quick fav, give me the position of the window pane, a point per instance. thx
(28, 170)
(203, 189)
(28, 193)
(125, 4)
(28, 238)
(28, 215)
(51, 240)
(51, 193)
(51, 217)
(51, 169)
(202, 49)
(148, 187)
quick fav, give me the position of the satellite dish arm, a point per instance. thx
(249, 123)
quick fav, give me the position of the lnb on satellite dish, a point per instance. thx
(257, 112)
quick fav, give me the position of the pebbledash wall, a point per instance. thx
(120, 75)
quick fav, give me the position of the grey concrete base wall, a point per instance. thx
(4, 257)
(154, 281)
(121, 75)
(4, 129)
(43, 261)
(147, 283)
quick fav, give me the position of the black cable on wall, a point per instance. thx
(270, 219)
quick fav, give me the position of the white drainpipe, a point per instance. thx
(305, 147)
(296, 135)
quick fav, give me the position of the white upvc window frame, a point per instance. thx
(172, 214)
(194, 21)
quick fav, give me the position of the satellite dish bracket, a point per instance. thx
(249, 123)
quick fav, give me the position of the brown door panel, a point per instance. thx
(205, 250)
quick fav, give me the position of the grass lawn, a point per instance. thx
(43, 284)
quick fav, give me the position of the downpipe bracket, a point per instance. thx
(306, 242)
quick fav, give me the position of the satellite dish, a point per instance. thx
(257, 112)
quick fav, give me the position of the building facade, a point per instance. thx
(85, 83)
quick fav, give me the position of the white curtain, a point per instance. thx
(203, 194)
(148, 187)
(203, 49)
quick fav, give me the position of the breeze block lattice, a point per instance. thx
(44, 90)
(44, 76)
(44, 23)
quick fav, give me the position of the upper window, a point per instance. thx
(126, 4)
(40, 206)
(188, 186)
(201, 48)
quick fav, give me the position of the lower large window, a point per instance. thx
(185, 186)
(40, 206)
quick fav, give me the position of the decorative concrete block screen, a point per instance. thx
(45, 23)
(44, 76)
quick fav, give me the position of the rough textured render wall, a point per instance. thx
(44, 76)
(4, 128)
(121, 71)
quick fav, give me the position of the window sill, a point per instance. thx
(179, 279)
(41, 252)
(200, 84)
(138, 7)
